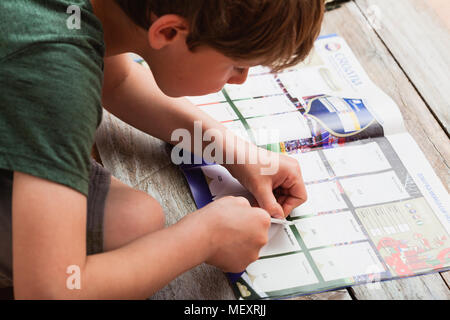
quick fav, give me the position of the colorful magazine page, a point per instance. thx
(377, 224)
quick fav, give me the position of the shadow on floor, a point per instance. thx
(6, 293)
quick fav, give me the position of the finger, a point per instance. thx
(294, 183)
(254, 203)
(267, 201)
(287, 203)
(281, 199)
(295, 187)
(291, 198)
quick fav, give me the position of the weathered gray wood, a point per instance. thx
(446, 277)
(426, 287)
(388, 75)
(128, 153)
(420, 41)
(341, 294)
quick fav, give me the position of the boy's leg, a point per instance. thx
(117, 214)
(129, 214)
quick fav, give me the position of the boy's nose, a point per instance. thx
(239, 77)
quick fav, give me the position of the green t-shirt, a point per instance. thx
(51, 78)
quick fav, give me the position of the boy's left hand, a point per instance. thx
(275, 180)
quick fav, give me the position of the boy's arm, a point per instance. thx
(49, 236)
(131, 94)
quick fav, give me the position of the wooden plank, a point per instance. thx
(446, 277)
(387, 74)
(420, 41)
(128, 153)
(426, 287)
(341, 294)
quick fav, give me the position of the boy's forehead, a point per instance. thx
(249, 62)
(246, 62)
(242, 62)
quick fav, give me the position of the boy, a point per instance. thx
(61, 214)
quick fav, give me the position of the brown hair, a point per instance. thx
(280, 32)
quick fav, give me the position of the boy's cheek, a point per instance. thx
(202, 89)
(196, 84)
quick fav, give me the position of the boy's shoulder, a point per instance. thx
(27, 23)
(51, 83)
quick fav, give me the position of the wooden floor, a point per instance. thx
(404, 46)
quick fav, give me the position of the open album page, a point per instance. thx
(373, 213)
(326, 100)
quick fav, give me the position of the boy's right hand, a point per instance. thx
(237, 232)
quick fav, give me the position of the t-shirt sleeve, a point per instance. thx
(50, 108)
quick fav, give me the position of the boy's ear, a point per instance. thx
(167, 29)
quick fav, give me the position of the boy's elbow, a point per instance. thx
(47, 293)
(50, 290)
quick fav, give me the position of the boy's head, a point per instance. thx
(243, 33)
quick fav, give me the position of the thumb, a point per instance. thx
(267, 201)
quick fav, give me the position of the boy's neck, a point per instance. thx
(120, 33)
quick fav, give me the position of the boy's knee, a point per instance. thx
(156, 212)
(130, 214)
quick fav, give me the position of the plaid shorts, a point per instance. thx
(99, 184)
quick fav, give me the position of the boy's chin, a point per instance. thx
(174, 93)
(199, 93)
